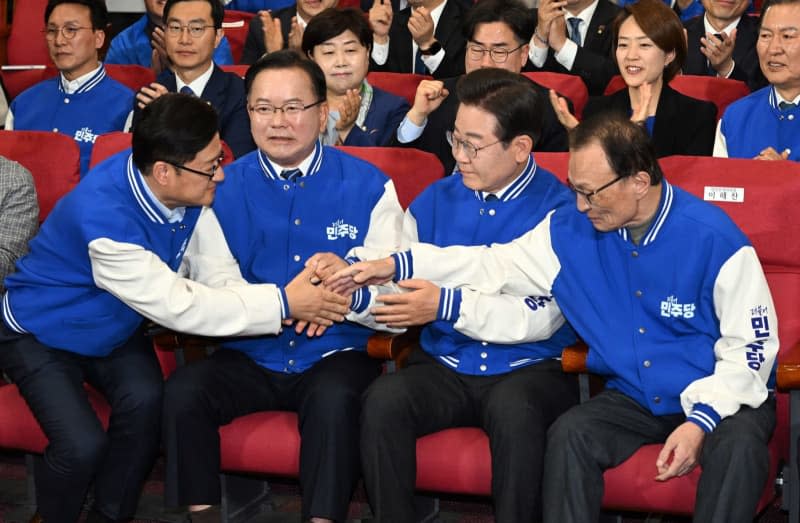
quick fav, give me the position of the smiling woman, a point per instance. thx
(339, 41)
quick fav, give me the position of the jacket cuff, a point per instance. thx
(360, 300)
(284, 303)
(704, 417)
(403, 265)
(449, 304)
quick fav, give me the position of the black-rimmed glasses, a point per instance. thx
(289, 109)
(210, 175)
(476, 52)
(591, 194)
(470, 150)
(196, 30)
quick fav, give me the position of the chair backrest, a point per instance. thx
(240, 70)
(132, 76)
(556, 163)
(236, 24)
(401, 84)
(18, 80)
(26, 44)
(52, 158)
(411, 170)
(111, 143)
(568, 85)
(720, 91)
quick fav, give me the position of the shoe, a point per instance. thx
(211, 514)
(36, 518)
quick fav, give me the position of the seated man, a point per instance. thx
(498, 32)
(281, 204)
(670, 297)
(112, 253)
(766, 124)
(496, 368)
(283, 29)
(82, 101)
(586, 50)
(142, 43)
(424, 38)
(723, 43)
(193, 31)
(19, 214)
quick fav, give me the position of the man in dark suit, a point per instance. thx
(498, 32)
(193, 29)
(424, 38)
(723, 43)
(574, 37)
(284, 29)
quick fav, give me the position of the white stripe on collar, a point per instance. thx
(658, 221)
(314, 165)
(517, 186)
(85, 83)
(134, 180)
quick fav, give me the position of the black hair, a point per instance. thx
(217, 10)
(97, 11)
(510, 12)
(288, 59)
(330, 23)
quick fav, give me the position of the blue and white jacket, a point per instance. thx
(274, 225)
(682, 321)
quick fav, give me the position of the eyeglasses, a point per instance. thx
(210, 175)
(476, 52)
(67, 31)
(290, 109)
(469, 149)
(196, 30)
(589, 195)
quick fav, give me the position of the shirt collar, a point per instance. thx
(727, 30)
(585, 15)
(84, 82)
(152, 207)
(198, 85)
(301, 21)
(308, 167)
(665, 206)
(516, 187)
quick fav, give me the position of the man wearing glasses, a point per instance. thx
(82, 101)
(493, 367)
(672, 301)
(281, 204)
(122, 247)
(193, 29)
(498, 32)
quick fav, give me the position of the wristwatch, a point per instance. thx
(432, 50)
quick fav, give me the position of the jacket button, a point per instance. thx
(483, 368)
(646, 364)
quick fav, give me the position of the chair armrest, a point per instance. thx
(788, 372)
(573, 358)
(385, 346)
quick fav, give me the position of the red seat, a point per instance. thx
(52, 158)
(720, 91)
(400, 84)
(568, 85)
(236, 24)
(26, 43)
(132, 76)
(16, 81)
(240, 70)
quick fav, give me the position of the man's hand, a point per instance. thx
(361, 274)
(348, 112)
(380, 18)
(549, 10)
(561, 109)
(313, 303)
(159, 60)
(719, 51)
(430, 95)
(417, 307)
(558, 33)
(273, 36)
(149, 93)
(295, 35)
(680, 452)
(420, 25)
(325, 264)
(771, 154)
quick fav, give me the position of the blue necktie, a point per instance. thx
(419, 65)
(491, 197)
(187, 90)
(575, 34)
(290, 174)
(787, 106)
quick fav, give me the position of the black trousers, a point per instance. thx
(202, 396)
(80, 451)
(606, 430)
(514, 409)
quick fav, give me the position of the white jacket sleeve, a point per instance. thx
(747, 347)
(219, 303)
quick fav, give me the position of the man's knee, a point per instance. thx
(77, 451)
(384, 402)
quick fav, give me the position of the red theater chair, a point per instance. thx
(52, 158)
(400, 84)
(768, 215)
(26, 43)
(132, 76)
(18, 80)
(567, 85)
(720, 91)
(239, 70)
(236, 25)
